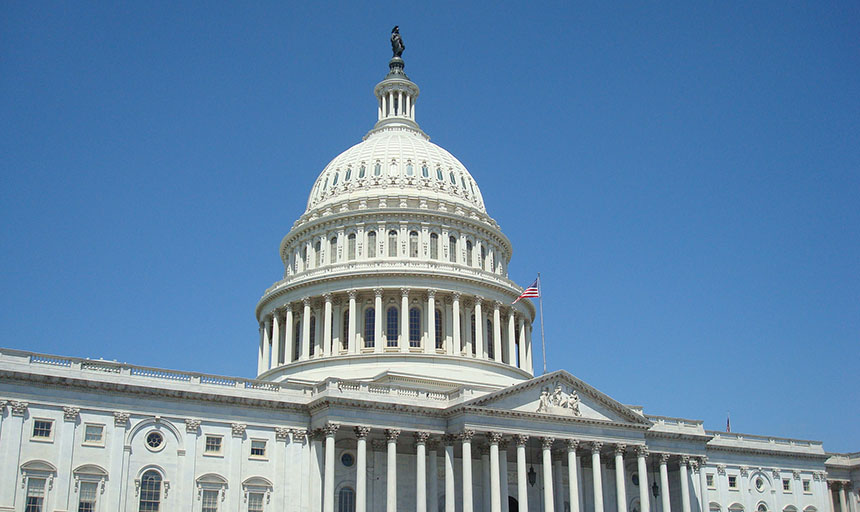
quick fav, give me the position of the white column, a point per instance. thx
(267, 342)
(495, 490)
(276, 339)
(512, 346)
(685, 486)
(642, 466)
(289, 342)
(379, 111)
(557, 484)
(421, 471)
(404, 319)
(65, 437)
(503, 473)
(523, 354)
(548, 496)
(703, 486)
(480, 348)
(620, 490)
(529, 349)
(485, 477)
(433, 476)
(377, 307)
(261, 367)
(450, 499)
(390, 103)
(572, 475)
(351, 345)
(497, 331)
(430, 345)
(664, 482)
(468, 500)
(316, 464)
(306, 329)
(455, 349)
(327, 348)
(522, 490)
(595, 471)
(361, 468)
(843, 501)
(328, 482)
(391, 472)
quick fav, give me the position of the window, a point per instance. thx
(318, 254)
(469, 252)
(35, 495)
(413, 244)
(369, 327)
(761, 507)
(807, 489)
(483, 258)
(334, 181)
(210, 500)
(348, 175)
(471, 187)
(414, 327)
(313, 335)
(258, 448)
(452, 249)
(472, 339)
(305, 256)
(297, 336)
(392, 244)
(154, 441)
(371, 244)
(325, 183)
(94, 434)
(438, 328)
(453, 179)
(786, 484)
(409, 169)
(710, 481)
(377, 169)
(350, 244)
(42, 429)
(332, 250)
(434, 246)
(255, 502)
(361, 171)
(344, 336)
(733, 482)
(87, 496)
(491, 340)
(425, 172)
(392, 327)
(346, 500)
(150, 491)
(213, 445)
(759, 484)
(347, 459)
(439, 174)
(463, 182)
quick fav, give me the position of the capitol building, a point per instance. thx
(395, 372)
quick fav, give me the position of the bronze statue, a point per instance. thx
(396, 42)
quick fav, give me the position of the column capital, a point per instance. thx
(352, 294)
(421, 437)
(494, 437)
(238, 429)
(572, 444)
(330, 429)
(642, 451)
(745, 470)
(327, 296)
(795, 474)
(377, 292)
(282, 433)
(685, 459)
(455, 295)
(431, 293)
(664, 458)
(478, 300)
(306, 301)
(404, 292)
(432, 444)
(71, 413)
(267, 321)
(620, 449)
(299, 434)
(703, 460)
(721, 469)
(391, 434)
(191, 425)
(521, 439)
(546, 442)
(497, 305)
(467, 435)
(288, 307)
(361, 432)
(448, 439)
(596, 446)
(120, 418)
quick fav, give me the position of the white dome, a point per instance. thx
(395, 161)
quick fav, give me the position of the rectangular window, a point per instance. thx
(210, 501)
(786, 484)
(213, 445)
(733, 482)
(255, 502)
(87, 497)
(42, 429)
(806, 487)
(35, 495)
(94, 434)
(258, 448)
(710, 478)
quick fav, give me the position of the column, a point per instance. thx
(480, 349)
(361, 468)
(512, 346)
(522, 489)
(450, 499)
(327, 348)
(391, 473)
(485, 477)
(548, 498)
(421, 471)
(620, 491)
(827, 486)
(433, 474)
(306, 329)
(642, 466)
(664, 482)
(276, 339)
(404, 319)
(497, 331)
(289, 342)
(328, 482)
(703, 485)
(573, 476)
(316, 464)
(503, 473)
(261, 365)
(350, 343)
(455, 349)
(529, 352)
(266, 342)
(843, 501)
(523, 354)
(558, 482)
(595, 471)
(430, 345)
(377, 321)
(65, 438)
(466, 436)
(685, 488)
(495, 490)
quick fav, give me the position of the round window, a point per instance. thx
(347, 459)
(635, 479)
(759, 484)
(154, 440)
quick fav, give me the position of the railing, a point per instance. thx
(160, 374)
(54, 361)
(768, 440)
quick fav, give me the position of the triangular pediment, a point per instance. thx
(562, 395)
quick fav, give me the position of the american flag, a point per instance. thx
(531, 291)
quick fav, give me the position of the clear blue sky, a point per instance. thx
(685, 177)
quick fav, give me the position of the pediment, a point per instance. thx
(559, 394)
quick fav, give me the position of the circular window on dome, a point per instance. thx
(154, 441)
(759, 484)
(347, 459)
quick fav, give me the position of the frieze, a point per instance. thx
(559, 402)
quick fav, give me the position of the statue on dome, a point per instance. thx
(397, 45)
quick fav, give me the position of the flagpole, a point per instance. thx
(542, 339)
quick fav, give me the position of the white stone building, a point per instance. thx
(394, 373)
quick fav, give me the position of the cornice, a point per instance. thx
(764, 451)
(548, 418)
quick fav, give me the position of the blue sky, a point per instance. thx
(685, 177)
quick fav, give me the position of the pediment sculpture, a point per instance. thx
(559, 402)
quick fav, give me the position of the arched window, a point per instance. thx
(325, 183)
(414, 327)
(425, 172)
(350, 246)
(491, 340)
(344, 333)
(463, 182)
(346, 500)
(377, 169)
(297, 343)
(313, 336)
(452, 249)
(305, 261)
(332, 250)
(469, 253)
(392, 169)
(409, 171)
(474, 348)
(392, 326)
(453, 179)
(439, 174)
(361, 171)
(334, 181)
(348, 175)
(369, 327)
(483, 258)
(392, 244)
(438, 320)
(318, 253)
(434, 246)
(413, 244)
(371, 244)
(150, 491)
